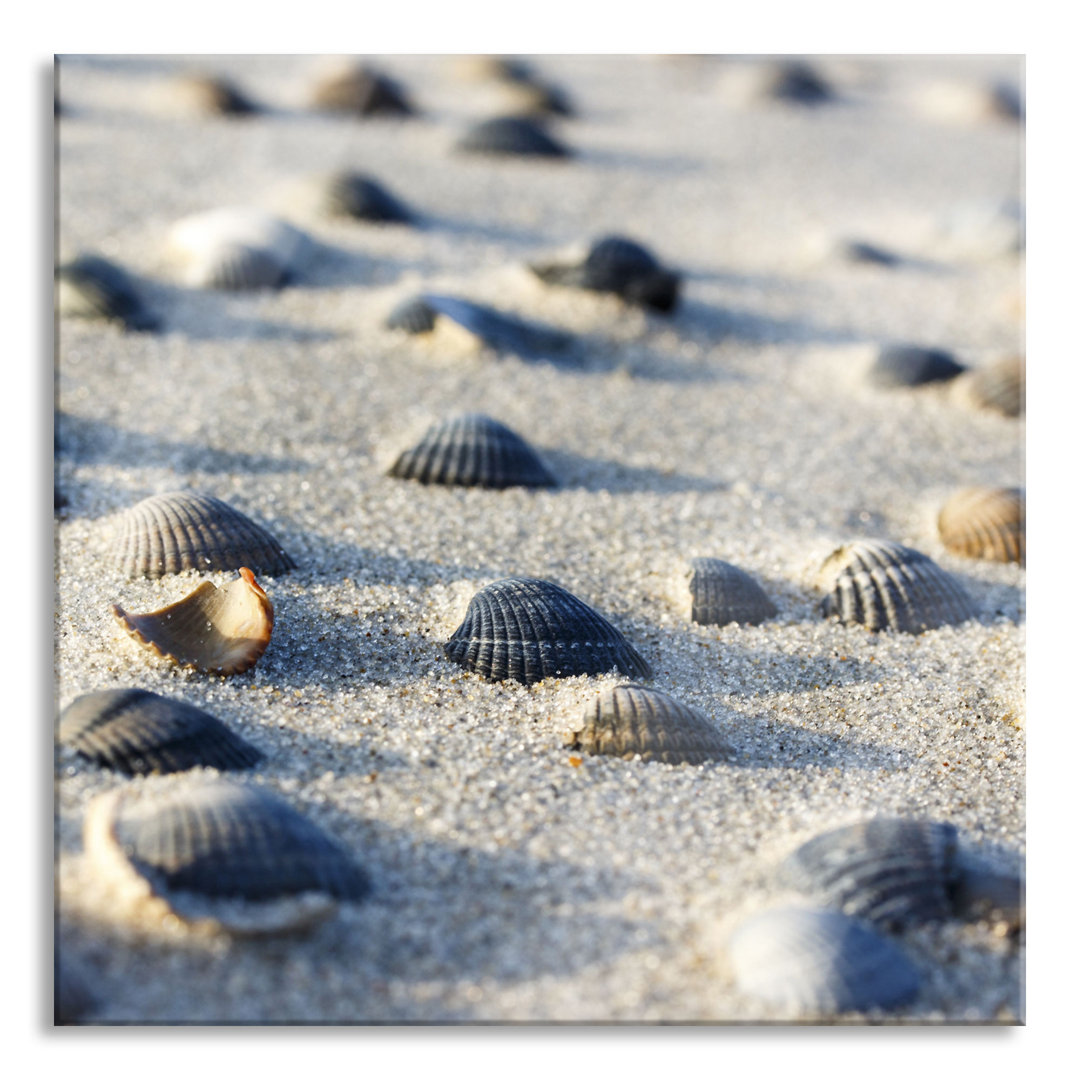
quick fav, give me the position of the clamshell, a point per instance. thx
(90, 287)
(635, 721)
(886, 586)
(721, 593)
(986, 523)
(512, 136)
(360, 91)
(526, 629)
(189, 530)
(211, 95)
(353, 195)
(999, 387)
(219, 631)
(138, 732)
(473, 450)
(912, 365)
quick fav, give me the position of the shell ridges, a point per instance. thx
(721, 593)
(986, 523)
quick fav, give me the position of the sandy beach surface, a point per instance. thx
(514, 879)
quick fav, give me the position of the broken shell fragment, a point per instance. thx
(138, 732)
(999, 387)
(630, 721)
(219, 854)
(188, 530)
(473, 450)
(361, 91)
(986, 523)
(90, 287)
(526, 629)
(886, 586)
(912, 365)
(721, 593)
(513, 136)
(219, 631)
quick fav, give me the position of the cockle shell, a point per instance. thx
(496, 68)
(787, 81)
(721, 593)
(237, 248)
(631, 720)
(220, 631)
(886, 586)
(805, 960)
(528, 97)
(357, 89)
(986, 523)
(137, 732)
(620, 266)
(912, 365)
(211, 95)
(999, 387)
(526, 629)
(90, 287)
(218, 853)
(353, 195)
(895, 871)
(188, 530)
(511, 136)
(861, 251)
(960, 102)
(473, 450)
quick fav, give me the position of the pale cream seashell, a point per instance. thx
(985, 523)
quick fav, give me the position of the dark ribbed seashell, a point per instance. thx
(348, 194)
(721, 593)
(912, 365)
(986, 523)
(139, 732)
(363, 92)
(511, 135)
(527, 97)
(473, 451)
(999, 387)
(631, 720)
(887, 586)
(794, 81)
(213, 95)
(93, 287)
(617, 265)
(187, 530)
(527, 630)
(414, 315)
(73, 995)
(823, 962)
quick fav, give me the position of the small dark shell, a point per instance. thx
(911, 365)
(187, 530)
(999, 387)
(633, 720)
(721, 593)
(986, 523)
(473, 451)
(413, 315)
(794, 81)
(363, 92)
(138, 732)
(859, 251)
(887, 586)
(527, 97)
(527, 630)
(806, 960)
(214, 95)
(511, 135)
(73, 996)
(92, 287)
(348, 194)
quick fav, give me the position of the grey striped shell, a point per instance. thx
(986, 523)
(721, 593)
(359, 90)
(511, 136)
(237, 248)
(188, 530)
(793, 81)
(73, 995)
(350, 194)
(620, 266)
(887, 586)
(526, 629)
(220, 631)
(138, 732)
(631, 720)
(212, 95)
(473, 451)
(90, 287)
(803, 960)
(1000, 387)
(912, 365)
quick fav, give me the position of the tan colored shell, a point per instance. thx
(221, 631)
(210, 95)
(632, 720)
(999, 387)
(985, 523)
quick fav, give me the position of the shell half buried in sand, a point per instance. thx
(635, 721)
(721, 593)
(219, 631)
(361, 91)
(511, 136)
(886, 586)
(90, 287)
(999, 387)
(219, 855)
(986, 523)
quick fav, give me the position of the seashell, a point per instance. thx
(999, 387)
(808, 961)
(73, 995)
(474, 451)
(511, 135)
(527, 630)
(91, 287)
(787, 81)
(138, 732)
(237, 248)
(221, 631)
(350, 194)
(361, 91)
(617, 265)
(219, 853)
(721, 593)
(912, 365)
(493, 68)
(632, 720)
(895, 871)
(859, 251)
(886, 586)
(986, 523)
(526, 97)
(958, 102)
(501, 332)
(187, 530)
(211, 95)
